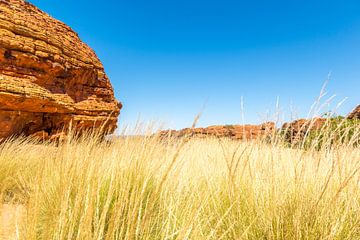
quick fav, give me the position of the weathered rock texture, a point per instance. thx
(355, 114)
(48, 76)
(238, 132)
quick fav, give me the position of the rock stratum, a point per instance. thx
(49, 78)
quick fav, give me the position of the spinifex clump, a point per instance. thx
(155, 188)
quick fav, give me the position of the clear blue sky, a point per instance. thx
(166, 59)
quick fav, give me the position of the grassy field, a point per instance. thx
(151, 188)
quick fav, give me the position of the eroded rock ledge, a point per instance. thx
(48, 76)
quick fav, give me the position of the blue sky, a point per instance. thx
(167, 59)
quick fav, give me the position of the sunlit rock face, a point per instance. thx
(48, 76)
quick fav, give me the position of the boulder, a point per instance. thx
(49, 78)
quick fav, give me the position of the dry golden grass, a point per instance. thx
(151, 188)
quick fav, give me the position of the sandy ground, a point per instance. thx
(10, 217)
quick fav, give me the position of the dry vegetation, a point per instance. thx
(151, 188)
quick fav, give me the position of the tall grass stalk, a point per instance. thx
(152, 188)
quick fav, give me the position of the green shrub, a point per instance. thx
(336, 131)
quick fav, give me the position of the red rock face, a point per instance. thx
(355, 114)
(238, 132)
(48, 76)
(296, 130)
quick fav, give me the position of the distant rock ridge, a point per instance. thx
(49, 78)
(293, 131)
(237, 132)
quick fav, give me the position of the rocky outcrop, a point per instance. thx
(355, 114)
(296, 131)
(293, 132)
(237, 132)
(49, 78)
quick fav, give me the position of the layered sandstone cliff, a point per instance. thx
(48, 76)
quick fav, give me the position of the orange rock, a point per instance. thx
(296, 130)
(48, 76)
(238, 132)
(355, 114)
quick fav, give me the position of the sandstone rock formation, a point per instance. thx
(355, 114)
(48, 76)
(237, 132)
(295, 131)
